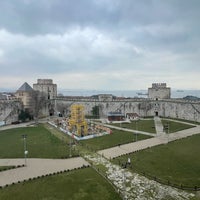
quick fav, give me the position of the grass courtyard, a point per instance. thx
(2, 168)
(177, 161)
(175, 126)
(146, 125)
(40, 143)
(81, 184)
(117, 137)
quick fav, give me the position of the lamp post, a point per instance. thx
(70, 146)
(168, 132)
(70, 150)
(136, 128)
(25, 150)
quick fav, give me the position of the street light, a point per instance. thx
(70, 154)
(136, 128)
(70, 145)
(168, 131)
(25, 150)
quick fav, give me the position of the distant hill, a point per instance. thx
(191, 98)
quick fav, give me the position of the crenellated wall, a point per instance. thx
(159, 91)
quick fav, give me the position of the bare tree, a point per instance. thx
(39, 101)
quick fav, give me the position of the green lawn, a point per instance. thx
(3, 168)
(82, 184)
(175, 126)
(40, 143)
(141, 125)
(117, 137)
(177, 161)
(184, 120)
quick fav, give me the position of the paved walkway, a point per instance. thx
(143, 144)
(36, 167)
(158, 126)
(16, 126)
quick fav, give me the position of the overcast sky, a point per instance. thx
(100, 44)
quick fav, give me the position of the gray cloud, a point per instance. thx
(35, 17)
(133, 38)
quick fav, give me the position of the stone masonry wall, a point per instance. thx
(145, 107)
(9, 111)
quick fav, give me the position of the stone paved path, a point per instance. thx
(135, 186)
(143, 144)
(36, 167)
(158, 126)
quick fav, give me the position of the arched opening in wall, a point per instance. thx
(156, 113)
(51, 112)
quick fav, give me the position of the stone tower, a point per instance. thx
(24, 93)
(47, 87)
(159, 91)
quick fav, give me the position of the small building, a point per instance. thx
(7, 96)
(25, 94)
(105, 97)
(46, 86)
(159, 91)
(132, 116)
(115, 116)
(3, 97)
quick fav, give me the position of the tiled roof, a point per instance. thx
(115, 114)
(25, 88)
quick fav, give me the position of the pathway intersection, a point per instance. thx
(130, 185)
(160, 138)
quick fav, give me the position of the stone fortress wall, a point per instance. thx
(9, 111)
(158, 103)
(174, 108)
